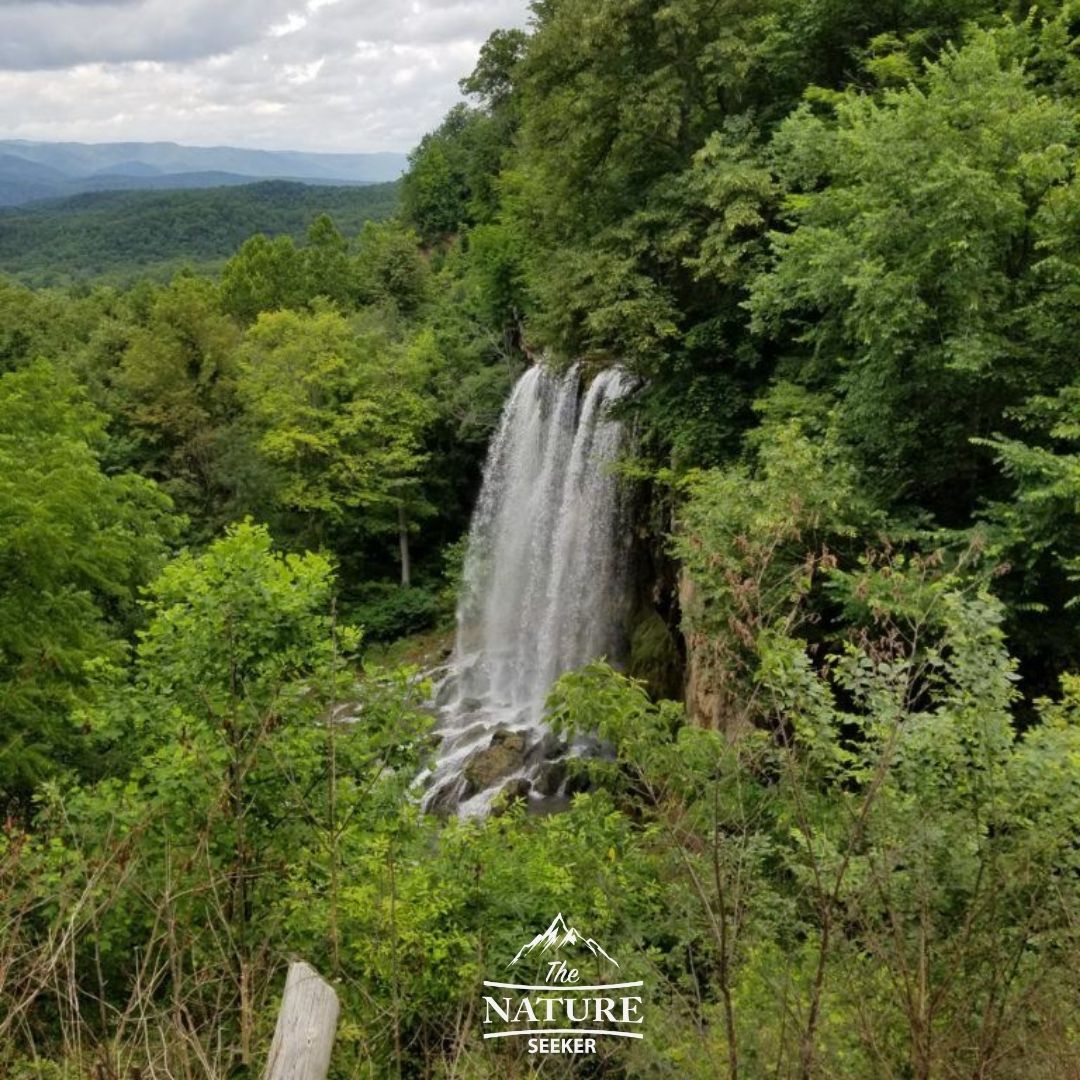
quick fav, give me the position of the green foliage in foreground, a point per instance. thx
(880, 880)
(236, 788)
(120, 235)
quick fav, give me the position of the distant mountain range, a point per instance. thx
(40, 170)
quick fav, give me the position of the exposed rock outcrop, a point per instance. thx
(503, 756)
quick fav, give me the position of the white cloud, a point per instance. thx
(298, 74)
(293, 22)
(349, 75)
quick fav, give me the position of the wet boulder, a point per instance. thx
(550, 778)
(444, 800)
(548, 747)
(502, 757)
(445, 693)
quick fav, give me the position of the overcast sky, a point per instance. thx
(349, 75)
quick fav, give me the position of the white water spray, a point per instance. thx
(545, 584)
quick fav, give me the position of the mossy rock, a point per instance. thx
(654, 656)
(502, 757)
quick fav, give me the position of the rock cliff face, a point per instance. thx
(713, 698)
(700, 684)
(674, 661)
(657, 654)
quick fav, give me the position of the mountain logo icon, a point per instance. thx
(555, 937)
(560, 1012)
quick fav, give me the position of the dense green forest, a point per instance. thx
(121, 236)
(836, 832)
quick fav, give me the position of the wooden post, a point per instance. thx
(304, 1035)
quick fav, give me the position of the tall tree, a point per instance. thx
(75, 546)
(264, 275)
(341, 411)
(175, 390)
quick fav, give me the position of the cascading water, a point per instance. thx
(544, 590)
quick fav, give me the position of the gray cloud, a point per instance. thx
(307, 74)
(48, 35)
(66, 3)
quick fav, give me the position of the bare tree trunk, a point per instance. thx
(403, 544)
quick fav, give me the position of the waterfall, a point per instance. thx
(544, 589)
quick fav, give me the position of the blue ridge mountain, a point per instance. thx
(30, 171)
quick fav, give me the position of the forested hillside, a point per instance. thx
(833, 832)
(120, 236)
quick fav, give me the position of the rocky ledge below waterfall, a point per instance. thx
(509, 765)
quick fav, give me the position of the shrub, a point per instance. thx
(389, 611)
